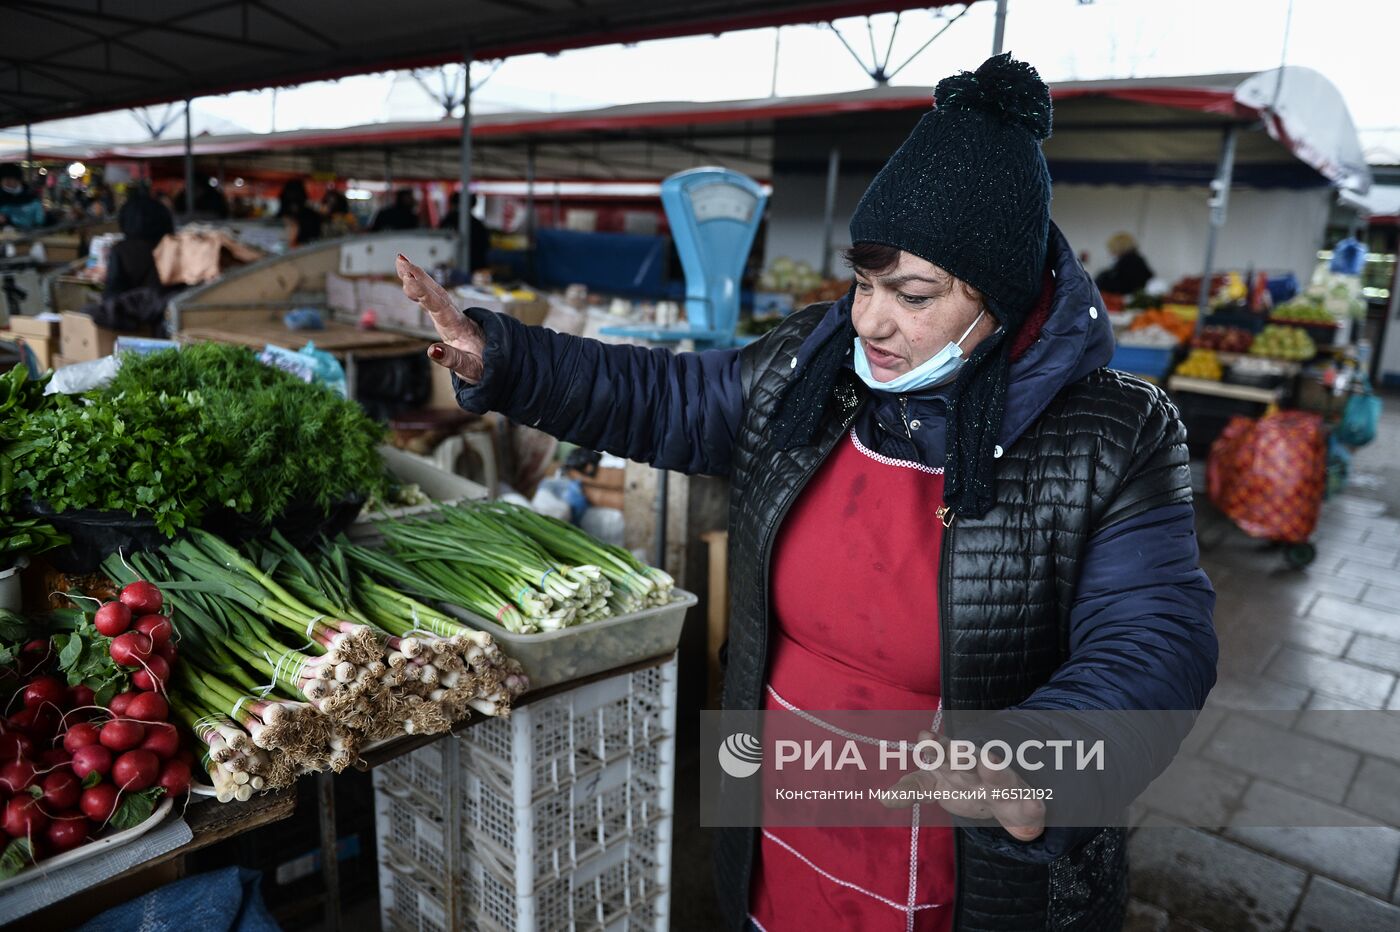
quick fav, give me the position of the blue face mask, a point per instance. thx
(938, 370)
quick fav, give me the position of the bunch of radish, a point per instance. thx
(70, 768)
(142, 638)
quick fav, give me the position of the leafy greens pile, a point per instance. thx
(181, 432)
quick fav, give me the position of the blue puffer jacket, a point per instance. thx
(1141, 635)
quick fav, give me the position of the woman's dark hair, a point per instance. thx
(871, 257)
(143, 217)
(877, 257)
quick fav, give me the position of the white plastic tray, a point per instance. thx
(551, 657)
(92, 848)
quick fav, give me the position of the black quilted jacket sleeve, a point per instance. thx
(676, 411)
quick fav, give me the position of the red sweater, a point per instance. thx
(855, 614)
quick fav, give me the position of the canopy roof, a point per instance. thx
(1295, 130)
(69, 57)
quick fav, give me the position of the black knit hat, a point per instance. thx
(968, 191)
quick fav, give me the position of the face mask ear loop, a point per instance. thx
(970, 327)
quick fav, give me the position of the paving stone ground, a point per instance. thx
(1323, 638)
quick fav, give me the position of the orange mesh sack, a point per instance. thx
(1268, 475)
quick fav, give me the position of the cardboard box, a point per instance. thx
(82, 340)
(59, 361)
(42, 349)
(35, 327)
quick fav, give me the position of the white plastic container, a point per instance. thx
(565, 810)
(9, 587)
(571, 653)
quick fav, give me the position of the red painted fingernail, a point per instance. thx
(435, 351)
(403, 257)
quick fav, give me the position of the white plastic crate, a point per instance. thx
(564, 813)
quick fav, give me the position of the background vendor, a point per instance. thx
(1129, 272)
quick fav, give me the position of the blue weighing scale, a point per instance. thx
(714, 214)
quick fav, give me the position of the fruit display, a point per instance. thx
(1153, 336)
(1179, 327)
(1281, 342)
(1303, 310)
(1201, 364)
(784, 274)
(1223, 339)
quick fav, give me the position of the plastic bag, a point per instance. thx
(1269, 475)
(1360, 418)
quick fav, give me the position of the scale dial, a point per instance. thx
(720, 201)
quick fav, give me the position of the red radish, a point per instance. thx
(24, 818)
(185, 756)
(174, 777)
(14, 744)
(120, 701)
(67, 832)
(17, 776)
(79, 735)
(122, 734)
(155, 627)
(80, 697)
(55, 758)
(166, 652)
(147, 707)
(152, 676)
(61, 790)
(162, 740)
(99, 802)
(135, 771)
(38, 722)
(92, 759)
(142, 598)
(130, 649)
(44, 690)
(112, 619)
(33, 654)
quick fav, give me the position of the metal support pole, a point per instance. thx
(1219, 206)
(530, 209)
(662, 494)
(330, 852)
(833, 174)
(189, 164)
(454, 894)
(28, 155)
(999, 35)
(464, 227)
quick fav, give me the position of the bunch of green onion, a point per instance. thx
(291, 662)
(525, 571)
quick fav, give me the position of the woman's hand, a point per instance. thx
(1024, 819)
(463, 343)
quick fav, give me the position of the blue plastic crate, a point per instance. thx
(1143, 360)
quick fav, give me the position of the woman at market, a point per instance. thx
(144, 222)
(1129, 272)
(950, 501)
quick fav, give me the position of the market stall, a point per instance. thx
(178, 629)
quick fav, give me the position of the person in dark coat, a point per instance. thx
(941, 500)
(303, 222)
(1129, 273)
(480, 232)
(401, 215)
(19, 206)
(131, 264)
